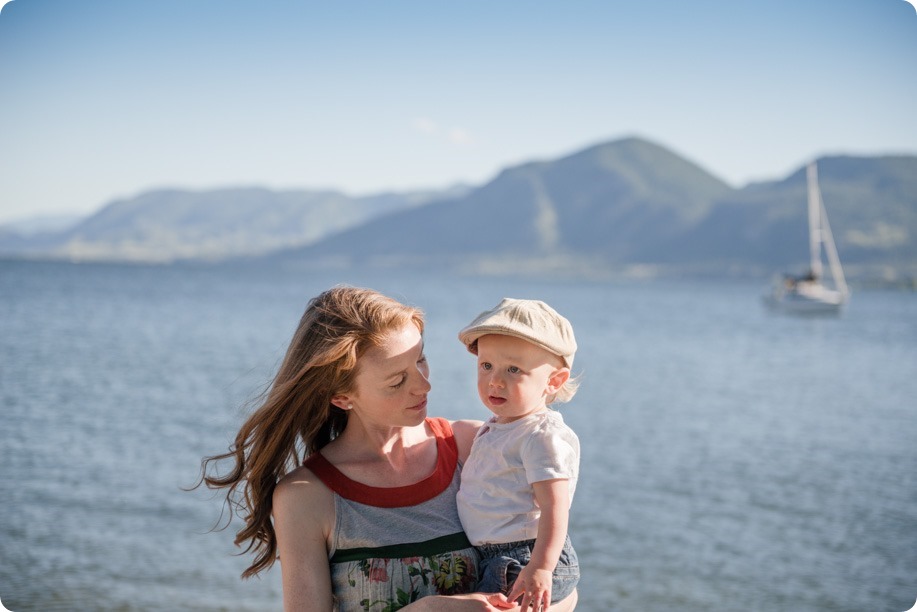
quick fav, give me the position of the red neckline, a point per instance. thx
(395, 497)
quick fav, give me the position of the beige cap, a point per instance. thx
(530, 320)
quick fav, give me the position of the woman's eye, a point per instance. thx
(399, 384)
(423, 359)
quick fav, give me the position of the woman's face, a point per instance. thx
(392, 381)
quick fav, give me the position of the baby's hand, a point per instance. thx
(500, 602)
(534, 585)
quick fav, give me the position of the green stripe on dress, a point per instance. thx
(443, 544)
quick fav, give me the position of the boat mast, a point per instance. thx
(815, 266)
(820, 233)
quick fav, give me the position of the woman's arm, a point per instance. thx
(534, 581)
(303, 511)
(464, 432)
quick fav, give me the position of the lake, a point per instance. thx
(732, 458)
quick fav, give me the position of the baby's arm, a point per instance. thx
(534, 581)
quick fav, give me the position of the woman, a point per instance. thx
(368, 521)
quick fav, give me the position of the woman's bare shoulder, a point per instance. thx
(464, 432)
(466, 426)
(302, 489)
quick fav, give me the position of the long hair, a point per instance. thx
(296, 417)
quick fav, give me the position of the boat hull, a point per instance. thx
(811, 300)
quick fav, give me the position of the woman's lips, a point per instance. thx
(419, 406)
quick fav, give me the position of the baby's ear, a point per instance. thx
(557, 380)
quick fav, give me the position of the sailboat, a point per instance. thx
(810, 293)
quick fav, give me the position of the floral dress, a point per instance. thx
(394, 545)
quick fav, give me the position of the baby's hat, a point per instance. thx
(530, 320)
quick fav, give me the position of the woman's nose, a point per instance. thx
(423, 383)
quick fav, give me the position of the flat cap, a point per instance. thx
(530, 320)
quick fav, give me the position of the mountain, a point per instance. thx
(872, 210)
(615, 202)
(170, 225)
(632, 206)
(628, 207)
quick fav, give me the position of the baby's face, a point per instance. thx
(515, 377)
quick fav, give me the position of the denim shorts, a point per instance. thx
(501, 564)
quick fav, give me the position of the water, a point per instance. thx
(732, 459)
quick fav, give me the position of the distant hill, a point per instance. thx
(872, 210)
(41, 224)
(170, 225)
(628, 207)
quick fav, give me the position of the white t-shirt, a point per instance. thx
(496, 502)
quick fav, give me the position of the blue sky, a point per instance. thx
(103, 99)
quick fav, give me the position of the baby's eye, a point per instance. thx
(513, 370)
(486, 366)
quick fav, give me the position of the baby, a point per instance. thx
(518, 482)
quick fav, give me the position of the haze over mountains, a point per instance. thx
(624, 207)
(172, 225)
